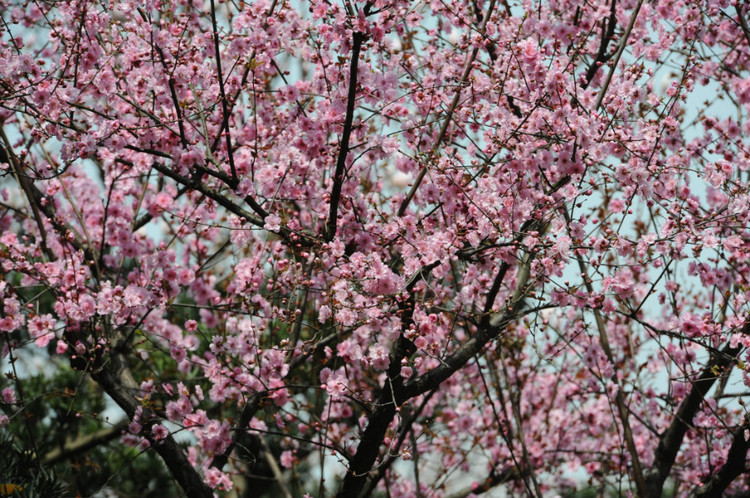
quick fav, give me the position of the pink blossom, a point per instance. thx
(616, 205)
(62, 346)
(133, 295)
(41, 329)
(9, 395)
(361, 231)
(334, 383)
(273, 223)
(217, 479)
(379, 357)
(287, 459)
(324, 313)
(159, 203)
(135, 428)
(159, 432)
(7, 324)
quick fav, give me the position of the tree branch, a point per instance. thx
(35, 196)
(248, 412)
(468, 65)
(671, 440)
(83, 443)
(391, 398)
(338, 177)
(489, 330)
(118, 382)
(622, 409)
(743, 22)
(395, 392)
(275, 470)
(224, 107)
(171, 83)
(8, 156)
(732, 468)
(618, 54)
(608, 31)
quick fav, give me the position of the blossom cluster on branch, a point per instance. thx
(412, 244)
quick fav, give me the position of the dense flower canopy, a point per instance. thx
(411, 244)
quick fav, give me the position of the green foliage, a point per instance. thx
(127, 472)
(56, 410)
(22, 476)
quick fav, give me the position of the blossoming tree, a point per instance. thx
(416, 247)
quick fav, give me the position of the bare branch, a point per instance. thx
(83, 444)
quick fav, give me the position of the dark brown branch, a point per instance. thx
(228, 180)
(392, 396)
(248, 412)
(671, 440)
(253, 404)
(8, 156)
(608, 31)
(224, 107)
(245, 74)
(492, 52)
(297, 239)
(35, 196)
(82, 444)
(743, 22)
(338, 177)
(618, 54)
(499, 278)
(171, 83)
(395, 392)
(421, 274)
(463, 354)
(118, 382)
(732, 468)
(406, 428)
(491, 326)
(529, 225)
(211, 194)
